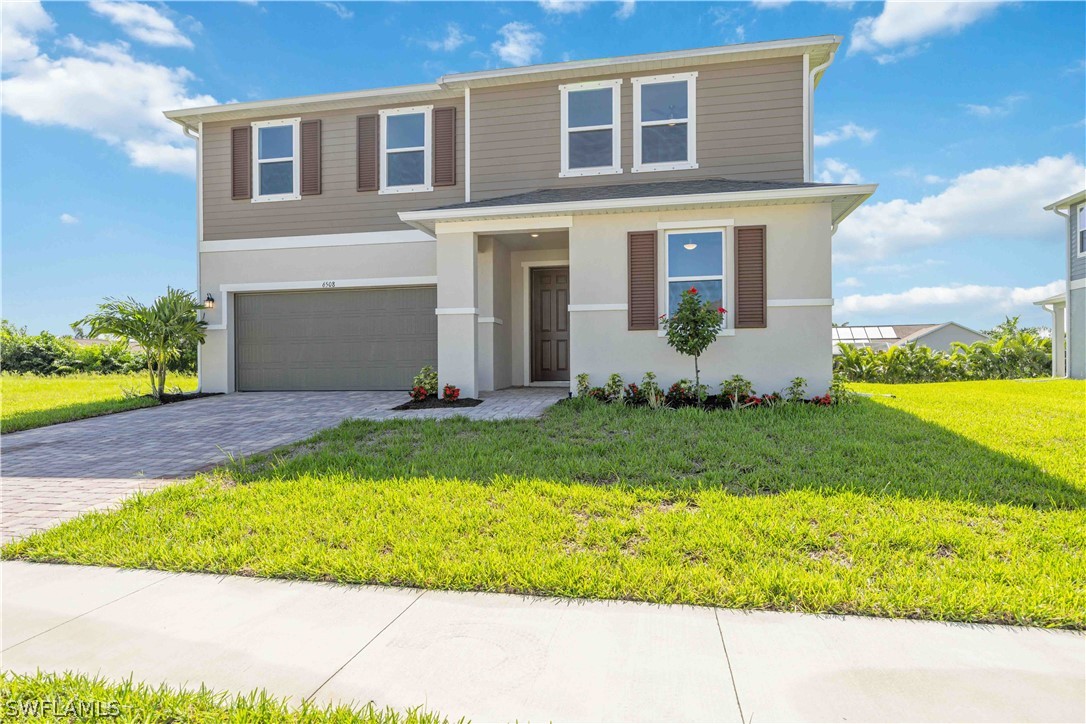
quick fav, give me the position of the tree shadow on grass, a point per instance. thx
(864, 448)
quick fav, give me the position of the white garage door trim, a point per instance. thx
(226, 291)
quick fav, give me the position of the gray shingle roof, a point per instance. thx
(634, 190)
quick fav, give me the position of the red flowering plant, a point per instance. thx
(692, 328)
(451, 393)
(419, 393)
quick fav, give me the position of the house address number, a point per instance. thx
(328, 285)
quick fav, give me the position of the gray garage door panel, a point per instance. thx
(342, 339)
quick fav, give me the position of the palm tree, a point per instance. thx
(163, 329)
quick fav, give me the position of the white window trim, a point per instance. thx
(615, 127)
(426, 148)
(722, 278)
(691, 122)
(1079, 228)
(296, 160)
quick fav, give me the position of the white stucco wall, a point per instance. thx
(795, 342)
(276, 268)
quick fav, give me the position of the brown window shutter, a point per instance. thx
(311, 157)
(369, 149)
(241, 163)
(445, 146)
(641, 253)
(750, 295)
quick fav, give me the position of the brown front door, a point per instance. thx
(550, 324)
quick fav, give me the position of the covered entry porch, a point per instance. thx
(503, 296)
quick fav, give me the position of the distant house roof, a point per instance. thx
(885, 336)
(844, 198)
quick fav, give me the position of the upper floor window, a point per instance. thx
(590, 128)
(1082, 230)
(405, 150)
(695, 259)
(275, 160)
(665, 122)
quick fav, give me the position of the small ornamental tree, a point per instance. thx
(692, 328)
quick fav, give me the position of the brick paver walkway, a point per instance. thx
(56, 472)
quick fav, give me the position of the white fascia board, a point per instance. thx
(362, 238)
(1067, 202)
(419, 219)
(614, 64)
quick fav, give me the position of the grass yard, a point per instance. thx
(28, 401)
(75, 697)
(959, 501)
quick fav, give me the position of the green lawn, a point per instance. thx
(75, 697)
(960, 501)
(30, 401)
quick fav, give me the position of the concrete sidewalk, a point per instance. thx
(492, 657)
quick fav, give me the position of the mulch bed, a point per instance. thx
(168, 398)
(431, 403)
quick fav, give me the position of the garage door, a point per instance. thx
(343, 339)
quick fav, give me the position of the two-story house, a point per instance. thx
(1068, 308)
(521, 226)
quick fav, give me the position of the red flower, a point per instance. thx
(722, 310)
(693, 290)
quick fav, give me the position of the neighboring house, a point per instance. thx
(1069, 308)
(937, 337)
(521, 226)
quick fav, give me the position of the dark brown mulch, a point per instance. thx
(433, 402)
(168, 398)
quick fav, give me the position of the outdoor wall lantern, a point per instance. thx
(209, 301)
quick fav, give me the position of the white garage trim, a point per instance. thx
(456, 310)
(402, 236)
(226, 290)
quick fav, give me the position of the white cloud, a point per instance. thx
(941, 301)
(454, 38)
(996, 110)
(520, 43)
(20, 25)
(845, 133)
(68, 219)
(778, 4)
(850, 282)
(104, 91)
(341, 10)
(904, 24)
(563, 7)
(833, 171)
(142, 22)
(1004, 202)
(626, 8)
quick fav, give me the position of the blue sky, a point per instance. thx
(970, 116)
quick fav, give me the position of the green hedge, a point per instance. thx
(47, 354)
(1013, 356)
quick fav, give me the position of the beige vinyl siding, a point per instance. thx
(339, 208)
(749, 126)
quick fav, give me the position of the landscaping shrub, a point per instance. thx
(425, 380)
(1013, 356)
(47, 354)
(451, 393)
(692, 328)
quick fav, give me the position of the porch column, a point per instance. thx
(1059, 354)
(457, 310)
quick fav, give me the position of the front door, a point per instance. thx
(550, 324)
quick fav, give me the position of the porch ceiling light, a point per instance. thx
(535, 236)
(690, 247)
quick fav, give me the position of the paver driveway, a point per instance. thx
(54, 473)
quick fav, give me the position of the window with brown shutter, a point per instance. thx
(750, 294)
(241, 163)
(641, 255)
(311, 157)
(369, 149)
(445, 146)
